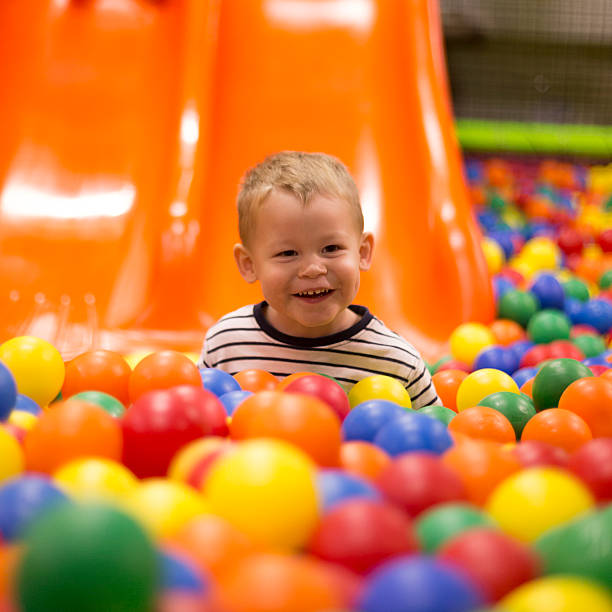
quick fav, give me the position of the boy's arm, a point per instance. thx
(203, 360)
(421, 388)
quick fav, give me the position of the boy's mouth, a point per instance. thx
(315, 293)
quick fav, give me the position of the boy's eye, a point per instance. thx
(287, 253)
(330, 248)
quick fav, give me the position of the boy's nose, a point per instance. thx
(313, 269)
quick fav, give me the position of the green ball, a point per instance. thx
(605, 280)
(518, 306)
(444, 521)
(549, 325)
(443, 414)
(581, 547)
(434, 366)
(107, 402)
(590, 344)
(90, 558)
(553, 378)
(496, 202)
(517, 408)
(577, 289)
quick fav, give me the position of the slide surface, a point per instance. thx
(128, 124)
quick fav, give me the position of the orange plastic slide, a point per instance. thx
(127, 124)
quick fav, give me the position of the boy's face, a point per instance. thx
(308, 260)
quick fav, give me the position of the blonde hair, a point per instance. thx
(303, 175)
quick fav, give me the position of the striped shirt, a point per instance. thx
(244, 340)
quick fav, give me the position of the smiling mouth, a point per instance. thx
(313, 293)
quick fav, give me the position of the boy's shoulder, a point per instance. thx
(241, 317)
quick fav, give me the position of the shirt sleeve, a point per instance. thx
(421, 388)
(203, 360)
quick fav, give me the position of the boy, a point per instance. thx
(301, 227)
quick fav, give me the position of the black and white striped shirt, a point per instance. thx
(243, 340)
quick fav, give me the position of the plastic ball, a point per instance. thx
(497, 357)
(87, 557)
(413, 432)
(417, 481)
(443, 522)
(522, 375)
(233, 399)
(107, 402)
(468, 339)
(592, 463)
(605, 280)
(596, 312)
(548, 291)
(590, 345)
(95, 479)
(163, 506)
(443, 414)
(559, 427)
(218, 381)
(360, 534)
(576, 289)
(22, 419)
(419, 584)
(289, 379)
(548, 325)
(363, 459)
(507, 332)
(517, 408)
(481, 383)
(454, 364)
(267, 489)
(26, 404)
(542, 253)
(535, 356)
(178, 573)
(23, 500)
(36, 365)
(365, 420)
(517, 305)
(495, 562)
(591, 399)
(305, 421)
(162, 370)
(160, 422)
(325, 389)
(570, 241)
(447, 383)
(482, 422)
(553, 378)
(12, 462)
(520, 347)
(558, 594)
(336, 486)
(256, 380)
(537, 499)
(494, 255)
(189, 457)
(71, 430)
(501, 285)
(534, 453)
(8, 392)
(99, 370)
(379, 387)
(564, 349)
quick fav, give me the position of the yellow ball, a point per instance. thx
(542, 253)
(37, 366)
(468, 339)
(558, 594)
(379, 386)
(530, 502)
(494, 255)
(164, 506)
(267, 489)
(186, 458)
(11, 455)
(523, 266)
(95, 479)
(22, 419)
(477, 385)
(133, 359)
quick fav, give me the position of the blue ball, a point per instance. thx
(597, 313)
(497, 357)
(523, 375)
(218, 382)
(487, 219)
(8, 392)
(179, 574)
(548, 291)
(501, 286)
(419, 584)
(23, 500)
(504, 239)
(233, 399)
(365, 419)
(572, 309)
(597, 360)
(520, 347)
(336, 486)
(27, 404)
(413, 431)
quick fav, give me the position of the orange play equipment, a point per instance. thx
(126, 127)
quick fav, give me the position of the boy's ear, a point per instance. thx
(245, 264)
(365, 250)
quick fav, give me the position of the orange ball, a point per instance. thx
(507, 331)
(289, 379)
(481, 465)
(527, 387)
(213, 543)
(607, 375)
(70, 430)
(558, 427)
(163, 370)
(591, 399)
(302, 420)
(483, 423)
(256, 380)
(282, 583)
(446, 383)
(99, 370)
(363, 459)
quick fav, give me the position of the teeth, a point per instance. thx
(315, 292)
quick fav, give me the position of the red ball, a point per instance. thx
(493, 560)
(604, 240)
(453, 364)
(559, 349)
(582, 328)
(417, 481)
(359, 534)
(326, 389)
(598, 369)
(161, 422)
(592, 463)
(570, 241)
(535, 355)
(533, 453)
